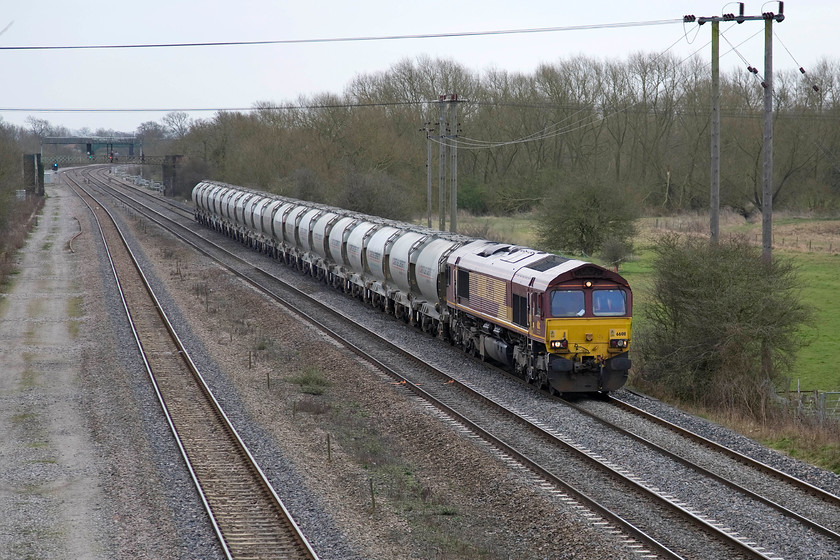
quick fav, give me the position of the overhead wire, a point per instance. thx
(347, 39)
(814, 86)
(553, 130)
(549, 131)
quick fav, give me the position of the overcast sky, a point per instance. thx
(239, 76)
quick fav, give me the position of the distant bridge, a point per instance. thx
(96, 143)
(79, 159)
(35, 164)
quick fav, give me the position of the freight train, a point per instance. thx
(562, 324)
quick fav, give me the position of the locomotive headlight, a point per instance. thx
(559, 344)
(618, 343)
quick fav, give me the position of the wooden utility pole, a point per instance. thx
(767, 149)
(714, 194)
(447, 132)
(442, 166)
(453, 164)
(767, 190)
(428, 174)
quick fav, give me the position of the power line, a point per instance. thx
(349, 39)
(211, 109)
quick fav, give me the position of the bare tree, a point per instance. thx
(178, 122)
(40, 128)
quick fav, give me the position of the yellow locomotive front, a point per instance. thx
(587, 331)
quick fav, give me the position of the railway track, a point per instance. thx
(738, 457)
(710, 538)
(247, 515)
(777, 489)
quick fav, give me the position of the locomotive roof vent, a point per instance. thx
(493, 249)
(548, 262)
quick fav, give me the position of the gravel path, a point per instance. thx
(89, 468)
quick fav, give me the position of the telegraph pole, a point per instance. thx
(767, 149)
(428, 174)
(447, 132)
(453, 164)
(767, 190)
(714, 194)
(442, 165)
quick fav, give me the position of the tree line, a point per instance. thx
(639, 127)
(636, 128)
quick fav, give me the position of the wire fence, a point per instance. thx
(825, 240)
(824, 405)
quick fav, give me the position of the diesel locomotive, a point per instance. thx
(562, 324)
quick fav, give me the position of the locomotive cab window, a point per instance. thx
(609, 303)
(567, 303)
(463, 283)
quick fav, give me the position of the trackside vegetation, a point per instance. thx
(722, 328)
(17, 207)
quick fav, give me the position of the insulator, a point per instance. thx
(689, 19)
(801, 69)
(816, 87)
(764, 85)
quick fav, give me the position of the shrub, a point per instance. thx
(312, 381)
(580, 218)
(616, 251)
(722, 328)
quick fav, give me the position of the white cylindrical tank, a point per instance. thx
(378, 249)
(239, 208)
(305, 227)
(279, 220)
(339, 235)
(430, 268)
(320, 234)
(357, 244)
(257, 212)
(267, 219)
(403, 255)
(290, 225)
(250, 207)
(214, 200)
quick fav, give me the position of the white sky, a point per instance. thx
(238, 76)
